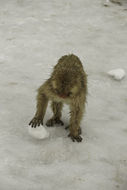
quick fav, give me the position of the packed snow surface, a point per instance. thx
(117, 74)
(33, 36)
(38, 132)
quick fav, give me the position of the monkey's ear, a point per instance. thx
(54, 84)
(82, 82)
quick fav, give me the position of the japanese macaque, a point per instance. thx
(67, 84)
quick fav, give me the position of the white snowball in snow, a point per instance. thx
(117, 74)
(38, 132)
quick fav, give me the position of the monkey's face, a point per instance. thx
(65, 88)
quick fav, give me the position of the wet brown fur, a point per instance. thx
(67, 84)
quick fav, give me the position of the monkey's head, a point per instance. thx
(65, 85)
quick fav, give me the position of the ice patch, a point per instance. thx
(117, 74)
(2, 59)
(38, 132)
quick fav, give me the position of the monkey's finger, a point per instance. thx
(58, 121)
(78, 139)
(34, 124)
(72, 138)
(39, 122)
(30, 122)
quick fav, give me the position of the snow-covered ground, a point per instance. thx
(33, 35)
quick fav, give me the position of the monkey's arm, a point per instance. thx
(77, 109)
(42, 102)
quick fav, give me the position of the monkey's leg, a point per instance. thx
(79, 130)
(77, 109)
(42, 102)
(56, 108)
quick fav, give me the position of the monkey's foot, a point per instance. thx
(79, 130)
(53, 121)
(36, 122)
(77, 138)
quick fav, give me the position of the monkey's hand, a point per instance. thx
(77, 138)
(36, 121)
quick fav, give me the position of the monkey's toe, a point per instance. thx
(58, 121)
(77, 138)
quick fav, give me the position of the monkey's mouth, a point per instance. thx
(62, 96)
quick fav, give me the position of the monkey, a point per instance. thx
(66, 85)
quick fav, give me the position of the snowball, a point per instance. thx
(117, 74)
(38, 132)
